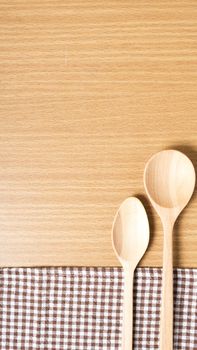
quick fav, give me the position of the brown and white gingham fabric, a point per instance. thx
(80, 308)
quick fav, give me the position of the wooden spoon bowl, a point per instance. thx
(169, 179)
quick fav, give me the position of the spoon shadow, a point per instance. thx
(150, 210)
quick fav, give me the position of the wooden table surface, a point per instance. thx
(89, 91)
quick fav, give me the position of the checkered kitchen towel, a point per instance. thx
(80, 308)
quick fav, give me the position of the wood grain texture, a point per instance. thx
(89, 91)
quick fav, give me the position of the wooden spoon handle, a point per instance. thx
(166, 322)
(127, 326)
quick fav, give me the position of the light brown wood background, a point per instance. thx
(89, 91)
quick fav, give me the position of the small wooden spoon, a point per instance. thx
(130, 237)
(169, 180)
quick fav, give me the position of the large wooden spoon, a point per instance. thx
(130, 237)
(169, 180)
